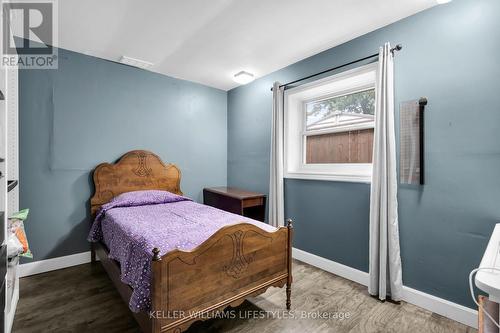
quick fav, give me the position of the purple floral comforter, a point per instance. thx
(133, 223)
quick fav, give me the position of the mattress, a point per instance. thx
(134, 223)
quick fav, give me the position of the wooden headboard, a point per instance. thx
(134, 171)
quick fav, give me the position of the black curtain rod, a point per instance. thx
(398, 47)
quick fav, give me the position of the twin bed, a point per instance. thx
(175, 261)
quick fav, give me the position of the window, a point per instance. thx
(329, 126)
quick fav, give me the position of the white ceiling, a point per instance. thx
(208, 41)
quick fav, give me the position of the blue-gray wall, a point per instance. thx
(451, 56)
(91, 111)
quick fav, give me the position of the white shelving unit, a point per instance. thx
(3, 191)
(12, 196)
(9, 168)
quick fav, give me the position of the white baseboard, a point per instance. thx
(332, 266)
(457, 312)
(429, 302)
(53, 264)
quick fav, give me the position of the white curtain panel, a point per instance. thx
(385, 259)
(276, 192)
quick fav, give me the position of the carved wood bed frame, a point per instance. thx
(237, 262)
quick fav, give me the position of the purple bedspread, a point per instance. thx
(133, 223)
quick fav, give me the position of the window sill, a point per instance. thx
(352, 178)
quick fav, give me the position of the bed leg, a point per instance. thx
(156, 291)
(92, 253)
(288, 296)
(289, 224)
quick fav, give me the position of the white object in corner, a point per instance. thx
(53, 264)
(429, 302)
(486, 279)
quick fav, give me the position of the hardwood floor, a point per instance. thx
(83, 299)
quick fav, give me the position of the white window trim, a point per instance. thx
(294, 123)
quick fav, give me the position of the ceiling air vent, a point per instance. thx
(136, 62)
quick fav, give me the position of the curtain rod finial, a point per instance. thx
(398, 47)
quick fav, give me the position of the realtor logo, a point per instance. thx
(29, 31)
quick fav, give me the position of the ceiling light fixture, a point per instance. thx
(136, 62)
(243, 77)
(442, 2)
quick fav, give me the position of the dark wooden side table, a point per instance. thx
(234, 200)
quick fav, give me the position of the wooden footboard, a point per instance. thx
(238, 261)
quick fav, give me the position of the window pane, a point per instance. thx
(342, 111)
(344, 147)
